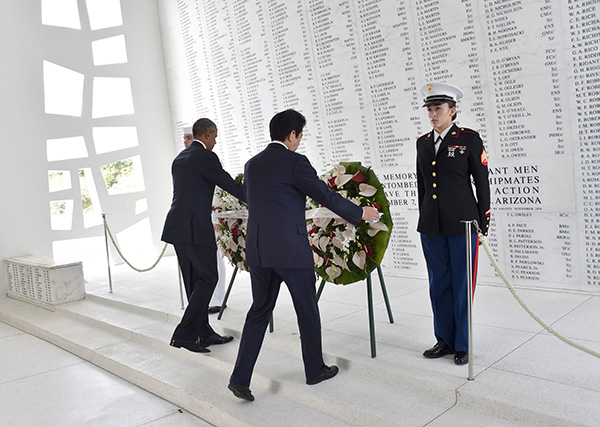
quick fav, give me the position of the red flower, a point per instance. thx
(313, 230)
(359, 177)
(327, 262)
(377, 206)
(235, 231)
(368, 249)
(331, 182)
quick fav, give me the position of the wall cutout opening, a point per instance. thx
(111, 50)
(61, 13)
(90, 202)
(124, 176)
(66, 148)
(61, 214)
(63, 90)
(59, 180)
(104, 13)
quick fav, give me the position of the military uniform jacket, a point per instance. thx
(445, 191)
(196, 171)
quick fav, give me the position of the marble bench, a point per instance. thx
(41, 281)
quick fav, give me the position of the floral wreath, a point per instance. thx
(345, 253)
(232, 220)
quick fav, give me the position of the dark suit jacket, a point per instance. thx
(196, 171)
(444, 182)
(277, 182)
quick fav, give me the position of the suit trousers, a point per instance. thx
(265, 289)
(446, 258)
(198, 265)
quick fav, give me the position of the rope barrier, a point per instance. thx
(486, 247)
(139, 270)
(534, 316)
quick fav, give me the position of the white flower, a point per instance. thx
(333, 272)
(231, 245)
(376, 228)
(318, 259)
(337, 242)
(321, 222)
(366, 189)
(359, 259)
(323, 242)
(338, 260)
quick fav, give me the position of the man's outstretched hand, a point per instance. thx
(370, 214)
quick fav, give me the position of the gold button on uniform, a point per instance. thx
(434, 197)
(434, 185)
(433, 163)
(434, 174)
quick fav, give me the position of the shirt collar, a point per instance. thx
(196, 140)
(443, 134)
(279, 142)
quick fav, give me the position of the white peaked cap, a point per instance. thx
(187, 130)
(438, 93)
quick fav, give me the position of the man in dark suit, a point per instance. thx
(196, 171)
(449, 158)
(276, 182)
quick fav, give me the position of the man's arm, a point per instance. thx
(307, 181)
(214, 172)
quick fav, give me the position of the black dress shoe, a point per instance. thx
(214, 309)
(328, 372)
(241, 391)
(195, 346)
(438, 350)
(461, 358)
(215, 339)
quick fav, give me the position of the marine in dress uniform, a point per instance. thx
(449, 160)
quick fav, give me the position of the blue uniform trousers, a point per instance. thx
(446, 258)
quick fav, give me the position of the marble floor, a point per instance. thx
(41, 384)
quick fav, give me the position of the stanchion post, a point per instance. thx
(110, 289)
(470, 296)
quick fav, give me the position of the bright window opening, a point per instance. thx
(61, 13)
(63, 90)
(124, 176)
(109, 51)
(66, 148)
(104, 13)
(61, 214)
(59, 180)
(90, 202)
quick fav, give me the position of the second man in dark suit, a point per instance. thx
(277, 181)
(196, 171)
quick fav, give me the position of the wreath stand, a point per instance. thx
(320, 291)
(224, 303)
(370, 306)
